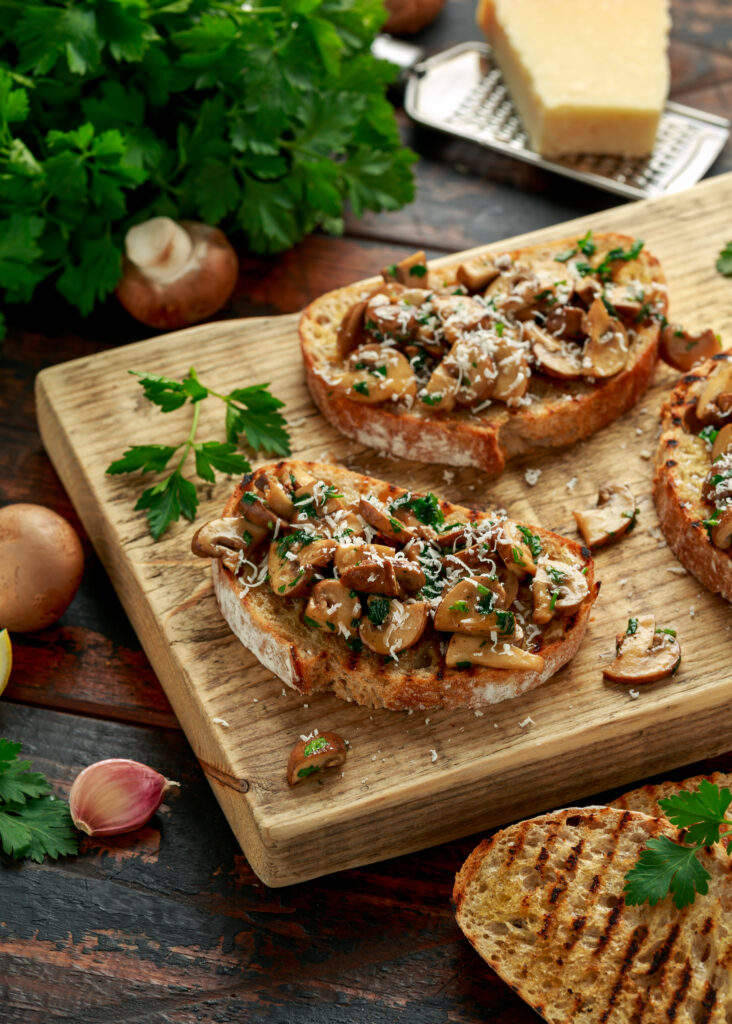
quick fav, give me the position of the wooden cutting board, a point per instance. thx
(411, 780)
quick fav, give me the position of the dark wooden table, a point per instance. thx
(170, 924)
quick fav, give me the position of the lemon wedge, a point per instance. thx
(6, 658)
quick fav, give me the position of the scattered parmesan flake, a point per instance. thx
(433, 754)
(531, 476)
(571, 484)
(410, 711)
(478, 714)
(495, 725)
(448, 476)
(645, 454)
(634, 694)
(306, 705)
(296, 423)
(623, 446)
(527, 721)
(255, 700)
(222, 721)
(284, 692)
(426, 721)
(692, 611)
(374, 757)
(644, 410)
(621, 583)
(639, 431)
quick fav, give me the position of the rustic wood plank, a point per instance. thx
(170, 925)
(583, 733)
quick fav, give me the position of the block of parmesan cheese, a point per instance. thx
(587, 76)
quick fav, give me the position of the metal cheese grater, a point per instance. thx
(462, 92)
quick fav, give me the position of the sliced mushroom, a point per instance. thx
(292, 564)
(566, 322)
(614, 515)
(606, 351)
(625, 301)
(351, 332)
(722, 442)
(479, 558)
(512, 544)
(472, 606)
(516, 291)
(558, 589)
(477, 274)
(274, 494)
(512, 380)
(226, 538)
(554, 356)
(376, 569)
(410, 271)
(333, 607)
(683, 350)
(717, 487)
(721, 532)
(377, 373)
(644, 653)
(402, 627)
(258, 511)
(311, 755)
(587, 290)
(317, 499)
(714, 404)
(466, 375)
(388, 526)
(384, 319)
(460, 315)
(466, 651)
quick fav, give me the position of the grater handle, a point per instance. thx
(397, 51)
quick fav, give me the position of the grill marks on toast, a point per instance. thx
(543, 903)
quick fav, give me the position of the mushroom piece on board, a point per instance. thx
(614, 515)
(558, 589)
(682, 350)
(714, 403)
(644, 654)
(227, 539)
(311, 755)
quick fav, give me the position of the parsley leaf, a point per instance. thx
(251, 411)
(33, 823)
(724, 261)
(665, 866)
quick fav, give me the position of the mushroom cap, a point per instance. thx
(606, 351)
(722, 442)
(402, 628)
(717, 385)
(465, 651)
(201, 289)
(613, 516)
(682, 350)
(721, 534)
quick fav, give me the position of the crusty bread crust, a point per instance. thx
(645, 798)
(309, 660)
(682, 463)
(542, 902)
(561, 414)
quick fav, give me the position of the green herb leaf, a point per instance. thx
(378, 609)
(148, 458)
(167, 501)
(663, 867)
(724, 262)
(701, 812)
(533, 542)
(33, 823)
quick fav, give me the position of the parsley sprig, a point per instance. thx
(33, 823)
(665, 866)
(724, 261)
(252, 412)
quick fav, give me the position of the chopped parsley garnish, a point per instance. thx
(426, 509)
(249, 498)
(632, 627)
(378, 609)
(516, 555)
(708, 434)
(562, 257)
(463, 664)
(552, 603)
(431, 399)
(355, 643)
(362, 387)
(586, 245)
(460, 606)
(532, 540)
(506, 622)
(669, 632)
(713, 521)
(555, 575)
(724, 262)
(310, 622)
(633, 516)
(608, 305)
(392, 270)
(315, 746)
(301, 537)
(308, 769)
(396, 526)
(486, 602)
(418, 270)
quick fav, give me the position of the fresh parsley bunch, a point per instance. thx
(265, 118)
(33, 823)
(665, 866)
(252, 412)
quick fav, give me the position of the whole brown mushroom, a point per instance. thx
(41, 564)
(176, 274)
(408, 16)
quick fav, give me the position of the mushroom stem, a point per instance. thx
(160, 247)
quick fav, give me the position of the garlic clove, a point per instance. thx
(116, 795)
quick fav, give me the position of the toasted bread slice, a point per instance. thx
(286, 632)
(683, 464)
(542, 902)
(562, 401)
(645, 798)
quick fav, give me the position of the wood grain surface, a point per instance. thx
(421, 779)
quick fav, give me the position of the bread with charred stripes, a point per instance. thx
(275, 627)
(554, 411)
(645, 798)
(542, 902)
